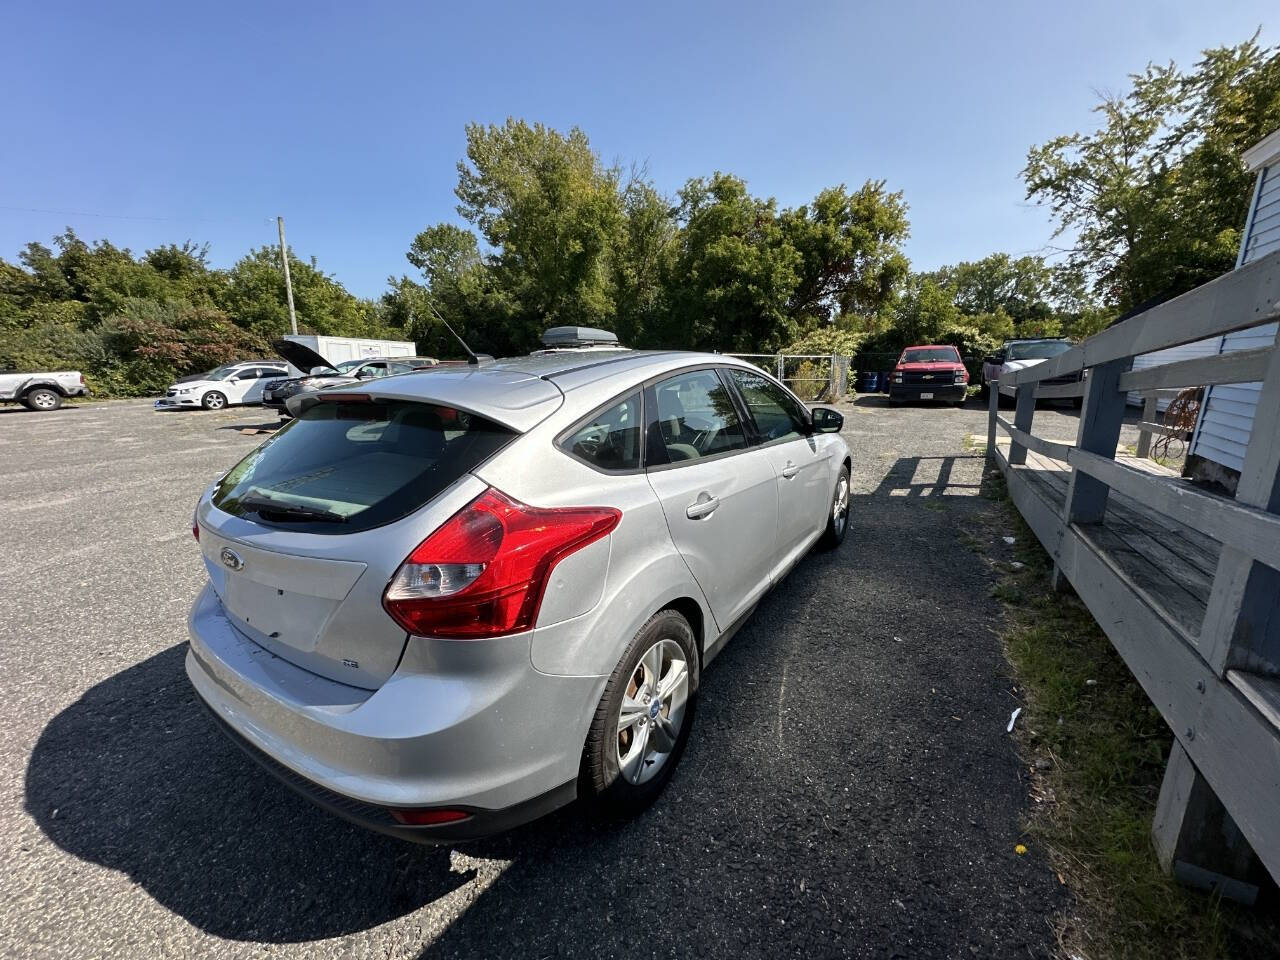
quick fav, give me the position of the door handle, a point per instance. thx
(703, 507)
(790, 470)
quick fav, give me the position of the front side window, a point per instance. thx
(610, 440)
(776, 414)
(342, 467)
(693, 417)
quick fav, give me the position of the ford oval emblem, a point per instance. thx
(231, 559)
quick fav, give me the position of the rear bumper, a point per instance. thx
(481, 823)
(913, 391)
(461, 724)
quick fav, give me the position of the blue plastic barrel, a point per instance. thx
(869, 382)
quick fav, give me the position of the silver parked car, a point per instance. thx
(441, 604)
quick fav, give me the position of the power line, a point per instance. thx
(121, 216)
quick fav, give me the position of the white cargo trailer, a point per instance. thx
(339, 349)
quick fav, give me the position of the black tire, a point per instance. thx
(42, 400)
(213, 400)
(837, 524)
(601, 783)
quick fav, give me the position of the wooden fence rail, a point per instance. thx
(1185, 583)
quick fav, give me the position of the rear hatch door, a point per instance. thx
(302, 536)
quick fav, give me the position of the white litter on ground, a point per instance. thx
(1013, 719)
(1010, 540)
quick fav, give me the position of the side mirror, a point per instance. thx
(826, 420)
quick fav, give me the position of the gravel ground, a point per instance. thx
(849, 789)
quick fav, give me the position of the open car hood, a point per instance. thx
(302, 357)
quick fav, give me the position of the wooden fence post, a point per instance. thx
(1100, 420)
(1195, 838)
(1241, 626)
(1023, 414)
(993, 400)
(1149, 413)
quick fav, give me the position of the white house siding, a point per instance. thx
(1227, 418)
(1187, 351)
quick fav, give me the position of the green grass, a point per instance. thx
(1097, 752)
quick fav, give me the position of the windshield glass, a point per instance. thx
(219, 373)
(931, 355)
(346, 366)
(1038, 350)
(345, 467)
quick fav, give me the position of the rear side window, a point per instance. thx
(693, 416)
(777, 416)
(610, 440)
(346, 467)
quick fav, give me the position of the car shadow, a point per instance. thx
(269, 426)
(19, 408)
(135, 776)
(829, 803)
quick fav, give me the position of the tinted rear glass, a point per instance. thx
(344, 467)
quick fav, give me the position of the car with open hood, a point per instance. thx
(225, 386)
(321, 373)
(445, 603)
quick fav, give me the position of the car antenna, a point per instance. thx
(476, 359)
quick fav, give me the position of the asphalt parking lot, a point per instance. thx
(849, 789)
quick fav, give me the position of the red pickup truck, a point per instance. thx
(929, 372)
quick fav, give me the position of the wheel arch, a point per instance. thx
(691, 610)
(30, 385)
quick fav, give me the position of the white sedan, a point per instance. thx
(234, 383)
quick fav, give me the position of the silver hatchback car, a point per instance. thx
(442, 604)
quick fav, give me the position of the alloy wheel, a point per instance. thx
(652, 711)
(840, 506)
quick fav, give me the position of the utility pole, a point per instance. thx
(288, 284)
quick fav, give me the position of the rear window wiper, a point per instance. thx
(290, 511)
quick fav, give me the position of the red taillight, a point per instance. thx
(482, 574)
(425, 818)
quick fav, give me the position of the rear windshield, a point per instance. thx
(345, 467)
(1041, 350)
(931, 355)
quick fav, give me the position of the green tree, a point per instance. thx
(553, 215)
(1020, 287)
(850, 247)
(734, 271)
(1156, 196)
(255, 299)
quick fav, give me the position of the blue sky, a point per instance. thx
(154, 123)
